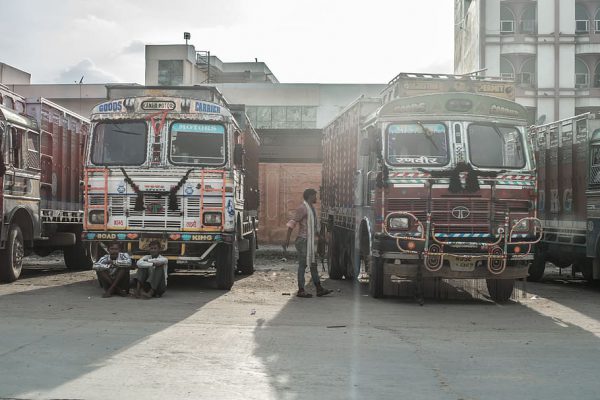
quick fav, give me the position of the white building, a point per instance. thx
(550, 47)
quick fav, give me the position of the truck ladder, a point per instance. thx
(221, 209)
(103, 189)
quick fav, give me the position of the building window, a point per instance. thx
(170, 72)
(597, 76)
(507, 20)
(506, 69)
(527, 75)
(528, 20)
(582, 74)
(283, 117)
(597, 21)
(582, 19)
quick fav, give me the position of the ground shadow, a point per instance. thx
(49, 338)
(351, 346)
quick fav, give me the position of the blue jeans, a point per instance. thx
(314, 272)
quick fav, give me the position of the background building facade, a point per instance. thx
(551, 48)
(288, 117)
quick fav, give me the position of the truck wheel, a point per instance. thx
(78, 257)
(246, 260)
(500, 290)
(225, 265)
(586, 267)
(333, 260)
(376, 278)
(536, 268)
(11, 258)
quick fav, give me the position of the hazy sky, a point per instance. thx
(321, 41)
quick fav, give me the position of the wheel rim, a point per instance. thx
(17, 255)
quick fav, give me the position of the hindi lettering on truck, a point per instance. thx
(431, 186)
(41, 169)
(177, 165)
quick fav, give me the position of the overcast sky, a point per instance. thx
(324, 41)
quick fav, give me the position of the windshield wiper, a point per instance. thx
(428, 134)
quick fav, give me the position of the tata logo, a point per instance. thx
(460, 212)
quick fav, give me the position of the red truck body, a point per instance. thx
(568, 157)
(42, 145)
(434, 185)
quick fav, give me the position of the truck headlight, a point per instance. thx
(96, 217)
(522, 226)
(212, 218)
(398, 223)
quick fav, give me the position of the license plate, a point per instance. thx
(462, 265)
(145, 243)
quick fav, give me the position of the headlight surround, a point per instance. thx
(522, 226)
(401, 223)
(96, 217)
(212, 218)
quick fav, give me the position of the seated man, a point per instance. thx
(151, 276)
(113, 271)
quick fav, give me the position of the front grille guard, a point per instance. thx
(433, 250)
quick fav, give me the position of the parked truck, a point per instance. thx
(178, 165)
(434, 179)
(40, 172)
(568, 154)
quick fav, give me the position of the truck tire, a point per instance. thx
(376, 278)
(11, 258)
(536, 268)
(333, 259)
(586, 267)
(247, 258)
(500, 290)
(225, 265)
(78, 257)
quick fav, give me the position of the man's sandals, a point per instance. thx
(323, 292)
(303, 294)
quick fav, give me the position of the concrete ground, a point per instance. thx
(60, 340)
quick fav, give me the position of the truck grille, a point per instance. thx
(417, 207)
(477, 220)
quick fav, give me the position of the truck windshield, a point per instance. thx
(417, 144)
(496, 146)
(197, 144)
(119, 143)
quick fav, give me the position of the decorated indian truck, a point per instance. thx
(40, 172)
(419, 186)
(178, 165)
(568, 155)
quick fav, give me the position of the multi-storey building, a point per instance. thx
(551, 48)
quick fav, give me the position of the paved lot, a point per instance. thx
(60, 339)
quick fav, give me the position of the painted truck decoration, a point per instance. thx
(431, 186)
(568, 154)
(41, 165)
(176, 169)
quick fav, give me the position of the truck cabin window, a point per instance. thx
(197, 144)
(417, 144)
(595, 163)
(496, 146)
(119, 143)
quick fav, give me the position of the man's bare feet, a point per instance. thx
(107, 295)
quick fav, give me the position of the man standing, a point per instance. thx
(113, 271)
(306, 220)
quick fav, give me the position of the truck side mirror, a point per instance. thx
(238, 155)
